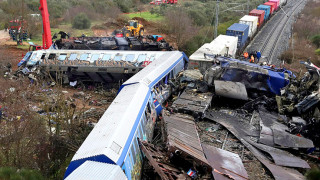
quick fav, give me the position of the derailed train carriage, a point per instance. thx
(111, 150)
(95, 65)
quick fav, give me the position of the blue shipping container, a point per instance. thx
(266, 9)
(239, 30)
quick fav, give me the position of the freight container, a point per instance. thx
(266, 10)
(222, 45)
(277, 3)
(241, 31)
(252, 22)
(272, 6)
(259, 14)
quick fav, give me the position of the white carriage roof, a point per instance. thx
(100, 51)
(97, 171)
(215, 47)
(157, 69)
(110, 134)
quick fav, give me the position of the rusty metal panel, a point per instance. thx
(158, 161)
(225, 163)
(182, 135)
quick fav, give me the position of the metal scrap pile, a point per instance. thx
(147, 43)
(273, 118)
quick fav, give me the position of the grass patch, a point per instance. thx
(146, 15)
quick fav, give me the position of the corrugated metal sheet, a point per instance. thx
(183, 136)
(91, 170)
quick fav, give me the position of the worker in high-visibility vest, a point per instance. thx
(246, 55)
(252, 59)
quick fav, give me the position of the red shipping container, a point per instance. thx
(272, 5)
(275, 5)
(259, 14)
(277, 2)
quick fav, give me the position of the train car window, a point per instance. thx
(52, 56)
(140, 131)
(130, 57)
(130, 159)
(133, 154)
(118, 57)
(142, 57)
(84, 57)
(152, 58)
(106, 57)
(33, 57)
(135, 142)
(95, 57)
(62, 57)
(43, 56)
(73, 57)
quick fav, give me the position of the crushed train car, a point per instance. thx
(254, 77)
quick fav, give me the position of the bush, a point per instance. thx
(316, 40)
(81, 21)
(318, 52)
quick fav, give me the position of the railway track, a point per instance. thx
(270, 45)
(267, 40)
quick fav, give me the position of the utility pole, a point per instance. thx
(248, 8)
(217, 19)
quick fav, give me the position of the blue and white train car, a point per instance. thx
(113, 141)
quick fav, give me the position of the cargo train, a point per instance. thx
(237, 35)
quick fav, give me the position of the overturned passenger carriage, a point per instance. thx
(98, 65)
(112, 146)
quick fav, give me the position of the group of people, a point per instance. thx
(253, 57)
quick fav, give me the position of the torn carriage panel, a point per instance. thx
(254, 76)
(183, 139)
(226, 165)
(193, 103)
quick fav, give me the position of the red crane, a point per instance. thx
(46, 34)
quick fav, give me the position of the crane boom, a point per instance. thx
(46, 34)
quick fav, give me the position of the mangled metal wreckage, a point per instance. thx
(240, 79)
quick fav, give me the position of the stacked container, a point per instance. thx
(252, 22)
(266, 10)
(241, 31)
(272, 7)
(277, 3)
(259, 14)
